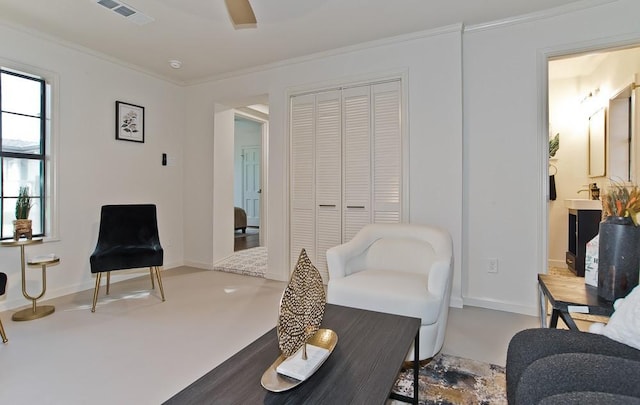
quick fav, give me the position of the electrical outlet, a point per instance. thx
(492, 265)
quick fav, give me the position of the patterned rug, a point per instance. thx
(451, 380)
(249, 262)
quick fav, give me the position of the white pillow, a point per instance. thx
(624, 324)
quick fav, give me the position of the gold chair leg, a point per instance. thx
(95, 291)
(4, 335)
(108, 281)
(159, 277)
(153, 285)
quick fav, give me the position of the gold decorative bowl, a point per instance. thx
(275, 382)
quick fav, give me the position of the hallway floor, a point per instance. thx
(247, 240)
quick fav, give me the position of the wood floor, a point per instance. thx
(247, 240)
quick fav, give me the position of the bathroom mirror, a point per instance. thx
(619, 140)
(597, 148)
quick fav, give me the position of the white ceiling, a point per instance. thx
(573, 66)
(200, 34)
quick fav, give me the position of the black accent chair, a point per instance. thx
(564, 367)
(128, 239)
(3, 287)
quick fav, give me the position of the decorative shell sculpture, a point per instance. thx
(301, 307)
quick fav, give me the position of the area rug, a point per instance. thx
(451, 380)
(249, 262)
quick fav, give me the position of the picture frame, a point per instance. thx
(129, 122)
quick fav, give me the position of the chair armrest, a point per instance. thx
(339, 256)
(439, 277)
(577, 372)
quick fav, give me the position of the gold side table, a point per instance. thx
(34, 312)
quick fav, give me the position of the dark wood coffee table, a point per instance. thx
(568, 294)
(361, 370)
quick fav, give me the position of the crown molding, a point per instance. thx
(84, 50)
(539, 15)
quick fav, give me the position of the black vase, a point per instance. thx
(618, 257)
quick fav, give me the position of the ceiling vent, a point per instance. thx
(125, 11)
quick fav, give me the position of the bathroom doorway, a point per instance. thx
(581, 87)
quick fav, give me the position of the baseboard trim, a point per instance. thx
(501, 306)
(456, 302)
(116, 276)
(198, 265)
(557, 263)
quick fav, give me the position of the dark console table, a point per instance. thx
(361, 370)
(568, 294)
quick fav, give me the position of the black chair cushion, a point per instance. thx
(128, 238)
(3, 283)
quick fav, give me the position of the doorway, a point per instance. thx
(580, 86)
(250, 132)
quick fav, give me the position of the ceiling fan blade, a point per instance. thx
(240, 12)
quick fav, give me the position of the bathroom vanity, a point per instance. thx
(584, 223)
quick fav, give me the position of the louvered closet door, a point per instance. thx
(345, 168)
(328, 176)
(302, 217)
(387, 153)
(356, 160)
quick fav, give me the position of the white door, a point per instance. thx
(356, 202)
(345, 168)
(303, 224)
(251, 184)
(387, 153)
(328, 173)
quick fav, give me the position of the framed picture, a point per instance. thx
(129, 122)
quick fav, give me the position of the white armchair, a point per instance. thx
(403, 269)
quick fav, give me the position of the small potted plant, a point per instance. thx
(22, 224)
(622, 201)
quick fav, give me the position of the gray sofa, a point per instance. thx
(556, 366)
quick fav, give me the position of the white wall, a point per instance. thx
(505, 140)
(482, 176)
(92, 167)
(432, 65)
(223, 215)
(569, 120)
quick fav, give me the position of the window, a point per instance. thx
(23, 127)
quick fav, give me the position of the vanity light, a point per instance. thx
(592, 102)
(593, 93)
